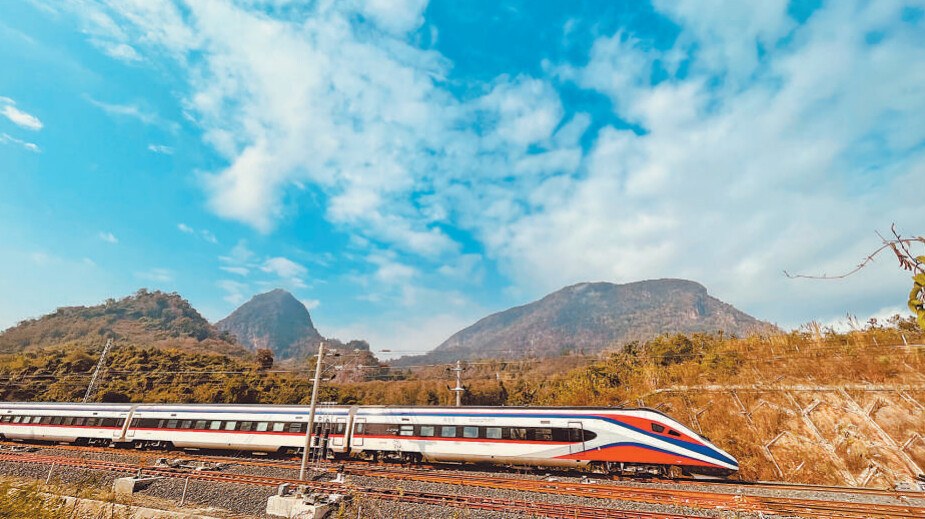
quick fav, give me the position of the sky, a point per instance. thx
(407, 167)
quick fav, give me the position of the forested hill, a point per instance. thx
(145, 318)
(589, 317)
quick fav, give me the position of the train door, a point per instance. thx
(576, 437)
(117, 433)
(359, 429)
(340, 432)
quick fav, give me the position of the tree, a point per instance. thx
(265, 358)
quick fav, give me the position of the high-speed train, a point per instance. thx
(600, 438)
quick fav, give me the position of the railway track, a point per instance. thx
(542, 509)
(659, 495)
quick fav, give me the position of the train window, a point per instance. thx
(262, 426)
(172, 424)
(279, 426)
(26, 419)
(427, 430)
(493, 433)
(658, 428)
(17, 419)
(589, 435)
(161, 423)
(406, 430)
(78, 421)
(358, 428)
(295, 427)
(518, 433)
(340, 428)
(186, 424)
(246, 426)
(56, 420)
(68, 420)
(46, 420)
(674, 433)
(200, 424)
(229, 426)
(448, 431)
(470, 432)
(91, 422)
(574, 435)
(215, 425)
(6, 418)
(543, 434)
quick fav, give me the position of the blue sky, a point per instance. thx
(407, 167)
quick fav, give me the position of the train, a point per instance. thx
(601, 439)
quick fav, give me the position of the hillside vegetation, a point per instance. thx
(812, 405)
(144, 318)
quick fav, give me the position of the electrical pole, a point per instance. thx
(459, 389)
(311, 414)
(96, 372)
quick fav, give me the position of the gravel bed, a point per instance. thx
(243, 499)
(251, 500)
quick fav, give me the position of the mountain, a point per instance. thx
(143, 319)
(274, 320)
(592, 316)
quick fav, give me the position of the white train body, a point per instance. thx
(249, 428)
(525, 436)
(550, 437)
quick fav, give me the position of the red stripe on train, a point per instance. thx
(636, 454)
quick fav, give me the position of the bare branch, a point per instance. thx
(899, 246)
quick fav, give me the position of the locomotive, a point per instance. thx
(598, 438)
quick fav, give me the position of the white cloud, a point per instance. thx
(205, 234)
(241, 271)
(135, 111)
(234, 291)
(119, 51)
(208, 236)
(7, 139)
(159, 275)
(311, 304)
(283, 267)
(160, 148)
(240, 255)
(18, 117)
(108, 237)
